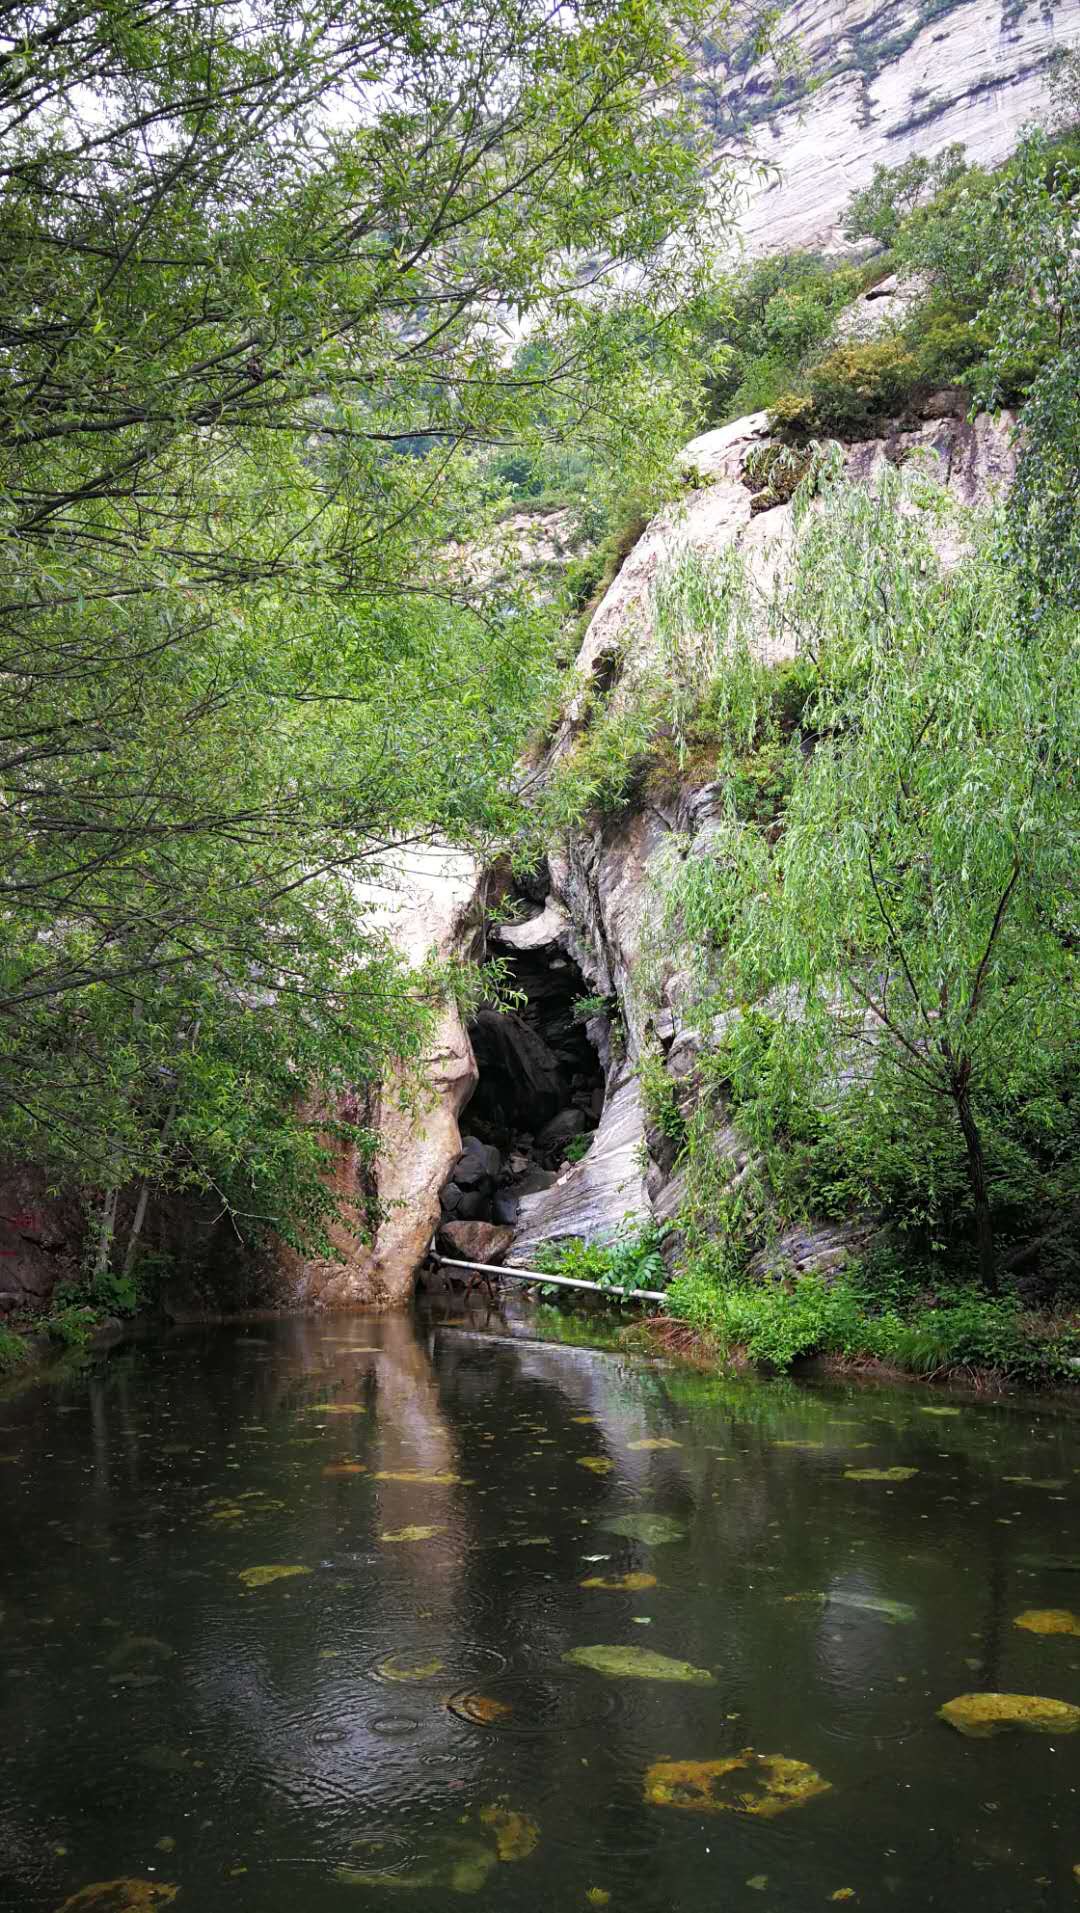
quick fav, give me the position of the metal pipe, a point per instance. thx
(560, 1281)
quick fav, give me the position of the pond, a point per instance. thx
(341, 1613)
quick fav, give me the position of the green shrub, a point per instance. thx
(658, 1095)
(578, 1147)
(854, 388)
(631, 1261)
(72, 1326)
(13, 1351)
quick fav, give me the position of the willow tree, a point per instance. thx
(260, 268)
(901, 935)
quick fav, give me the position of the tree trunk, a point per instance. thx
(976, 1168)
(106, 1231)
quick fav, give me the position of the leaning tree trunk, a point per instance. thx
(976, 1169)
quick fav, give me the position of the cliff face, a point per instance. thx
(873, 83)
(601, 876)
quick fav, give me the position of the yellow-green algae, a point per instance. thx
(458, 1862)
(120, 1896)
(637, 1663)
(981, 1715)
(516, 1835)
(879, 1474)
(336, 1408)
(891, 1611)
(621, 1583)
(435, 1479)
(1048, 1620)
(653, 1441)
(599, 1464)
(338, 1469)
(759, 1784)
(262, 1577)
(415, 1533)
(392, 1669)
(453, 1862)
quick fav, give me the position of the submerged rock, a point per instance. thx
(979, 1716)
(759, 1784)
(638, 1663)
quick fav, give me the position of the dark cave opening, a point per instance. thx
(539, 1096)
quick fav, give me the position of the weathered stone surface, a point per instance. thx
(567, 1123)
(479, 1162)
(538, 933)
(476, 1241)
(40, 1238)
(972, 73)
(418, 1145)
(601, 877)
(594, 1197)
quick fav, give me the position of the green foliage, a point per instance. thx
(776, 1324)
(884, 970)
(578, 1147)
(13, 1351)
(73, 1325)
(254, 275)
(758, 325)
(852, 389)
(632, 1260)
(880, 210)
(659, 1098)
(584, 1007)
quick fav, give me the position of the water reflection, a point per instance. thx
(312, 1612)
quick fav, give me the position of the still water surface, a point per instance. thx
(398, 1724)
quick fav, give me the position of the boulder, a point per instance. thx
(450, 1199)
(568, 1122)
(479, 1162)
(504, 1208)
(475, 1241)
(473, 1205)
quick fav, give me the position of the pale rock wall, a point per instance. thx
(930, 76)
(600, 879)
(428, 906)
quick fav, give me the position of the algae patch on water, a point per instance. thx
(459, 1862)
(879, 1474)
(981, 1715)
(262, 1577)
(759, 1784)
(411, 1534)
(599, 1464)
(621, 1583)
(515, 1834)
(337, 1470)
(336, 1408)
(637, 1663)
(890, 1611)
(433, 1478)
(394, 1669)
(652, 1529)
(651, 1442)
(1048, 1620)
(452, 1862)
(120, 1896)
